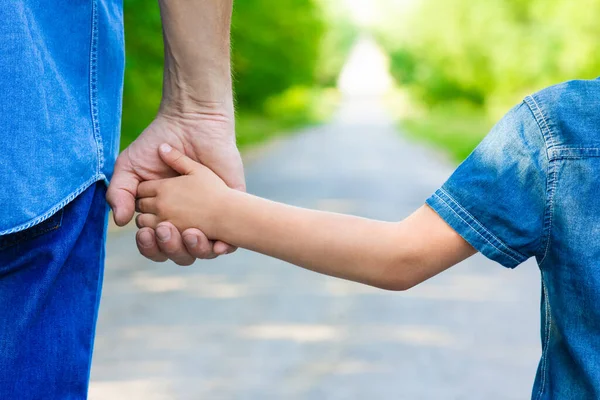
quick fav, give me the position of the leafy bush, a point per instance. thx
(276, 46)
(465, 63)
(492, 53)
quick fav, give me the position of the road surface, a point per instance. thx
(249, 327)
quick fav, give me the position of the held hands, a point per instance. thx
(195, 199)
(205, 136)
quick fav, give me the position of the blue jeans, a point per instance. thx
(50, 284)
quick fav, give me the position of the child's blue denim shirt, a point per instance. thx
(532, 189)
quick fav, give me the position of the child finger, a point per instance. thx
(146, 205)
(147, 189)
(177, 160)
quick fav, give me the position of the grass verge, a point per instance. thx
(453, 128)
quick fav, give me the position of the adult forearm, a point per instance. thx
(197, 76)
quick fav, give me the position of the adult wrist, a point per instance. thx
(205, 91)
(186, 107)
(194, 121)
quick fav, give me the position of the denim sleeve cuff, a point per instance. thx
(472, 230)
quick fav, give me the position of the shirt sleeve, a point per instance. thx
(496, 198)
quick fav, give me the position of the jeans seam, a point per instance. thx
(547, 328)
(33, 235)
(476, 230)
(94, 86)
(98, 291)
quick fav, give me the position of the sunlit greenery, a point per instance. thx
(485, 56)
(284, 54)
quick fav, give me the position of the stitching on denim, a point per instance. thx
(551, 180)
(548, 326)
(54, 209)
(542, 116)
(550, 210)
(94, 86)
(574, 156)
(475, 229)
(516, 256)
(34, 234)
(507, 250)
(563, 153)
(560, 148)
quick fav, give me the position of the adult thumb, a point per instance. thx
(121, 194)
(177, 160)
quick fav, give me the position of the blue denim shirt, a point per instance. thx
(61, 78)
(532, 189)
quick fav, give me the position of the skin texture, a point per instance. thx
(196, 117)
(394, 256)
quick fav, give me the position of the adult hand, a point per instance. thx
(205, 137)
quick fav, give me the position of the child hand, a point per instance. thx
(193, 200)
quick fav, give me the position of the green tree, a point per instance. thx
(492, 53)
(276, 47)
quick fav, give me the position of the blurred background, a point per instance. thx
(355, 106)
(461, 63)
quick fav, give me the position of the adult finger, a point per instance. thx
(221, 248)
(147, 246)
(171, 244)
(198, 244)
(122, 191)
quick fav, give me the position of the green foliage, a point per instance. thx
(297, 106)
(455, 127)
(280, 51)
(339, 36)
(275, 46)
(144, 66)
(492, 53)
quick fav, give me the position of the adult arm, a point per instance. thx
(196, 117)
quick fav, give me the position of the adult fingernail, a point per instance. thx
(191, 240)
(165, 148)
(163, 233)
(145, 239)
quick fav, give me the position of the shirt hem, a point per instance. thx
(473, 231)
(61, 204)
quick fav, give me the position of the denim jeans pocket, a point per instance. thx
(52, 223)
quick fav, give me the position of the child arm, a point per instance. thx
(389, 255)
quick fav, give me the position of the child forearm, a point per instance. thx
(377, 253)
(387, 255)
